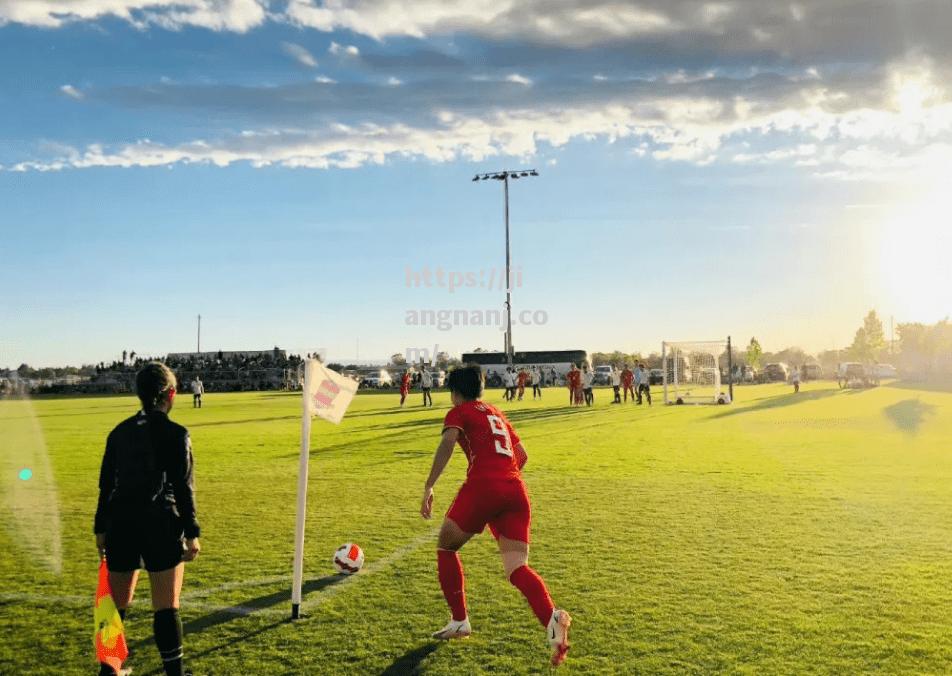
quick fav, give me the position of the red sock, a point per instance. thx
(533, 588)
(450, 572)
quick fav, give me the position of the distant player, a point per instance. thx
(198, 389)
(509, 381)
(492, 494)
(627, 382)
(573, 380)
(795, 379)
(426, 384)
(404, 386)
(536, 383)
(522, 380)
(588, 381)
(644, 386)
(616, 384)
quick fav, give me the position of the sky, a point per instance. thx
(289, 169)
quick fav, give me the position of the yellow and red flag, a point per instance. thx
(109, 637)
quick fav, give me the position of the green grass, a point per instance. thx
(783, 534)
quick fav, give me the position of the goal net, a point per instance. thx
(692, 372)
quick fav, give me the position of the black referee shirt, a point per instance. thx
(173, 457)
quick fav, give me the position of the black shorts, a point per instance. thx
(151, 539)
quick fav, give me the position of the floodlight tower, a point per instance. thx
(504, 176)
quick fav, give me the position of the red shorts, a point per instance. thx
(501, 503)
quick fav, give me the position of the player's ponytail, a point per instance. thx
(154, 381)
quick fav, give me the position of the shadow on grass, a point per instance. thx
(776, 402)
(230, 643)
(921, 387)
(248, 607)
(244, 609)
(909, 414)
(412, 661)
(528, 415)
(242, 421)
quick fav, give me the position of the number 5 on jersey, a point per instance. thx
(499, 429)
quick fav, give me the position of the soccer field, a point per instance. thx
(783, 534)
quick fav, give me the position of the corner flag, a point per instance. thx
(327, 394)
(109, 638)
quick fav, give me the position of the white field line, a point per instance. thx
(191, 600)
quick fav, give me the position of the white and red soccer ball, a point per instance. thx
(348, 559)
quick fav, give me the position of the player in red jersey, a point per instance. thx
(492, 494)
(627, 381)
(404, 386)
(522, 380)
(574, 381)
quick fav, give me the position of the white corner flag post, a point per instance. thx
(327, 394)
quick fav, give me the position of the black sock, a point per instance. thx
(167, 626)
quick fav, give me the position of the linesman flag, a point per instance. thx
(327, 394)
(109, 637)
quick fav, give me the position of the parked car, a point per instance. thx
(855, 374)
(885, 371)
(655, 377)
(776, 372)
(811, 372)
(603, 375)
(742, 374)
(377, 380)
(493, 379)
(439, 378)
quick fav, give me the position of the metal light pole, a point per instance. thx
(198, 341)
(504, 176)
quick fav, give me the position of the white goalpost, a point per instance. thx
(692, 372)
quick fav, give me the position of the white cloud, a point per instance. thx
(573, 23)
(394, 82)
(338, 49)
(323, 79)
(71, 91)
(231, 15)
(518, 79)
(901, 128)
(299, 54)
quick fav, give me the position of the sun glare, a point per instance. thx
(914, 274)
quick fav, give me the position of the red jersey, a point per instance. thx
(523, 378)
(574, 378)
(487, 439)
(627, 377)
(405, 382)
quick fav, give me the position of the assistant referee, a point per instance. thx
(146, 512)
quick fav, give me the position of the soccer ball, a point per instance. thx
(348, 559)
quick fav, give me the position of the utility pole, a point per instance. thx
(504, 176)
(198, 345)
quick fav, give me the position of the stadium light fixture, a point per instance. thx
(505, 176)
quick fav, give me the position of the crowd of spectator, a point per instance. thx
(219, 371)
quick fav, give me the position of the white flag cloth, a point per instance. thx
(327, 394)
